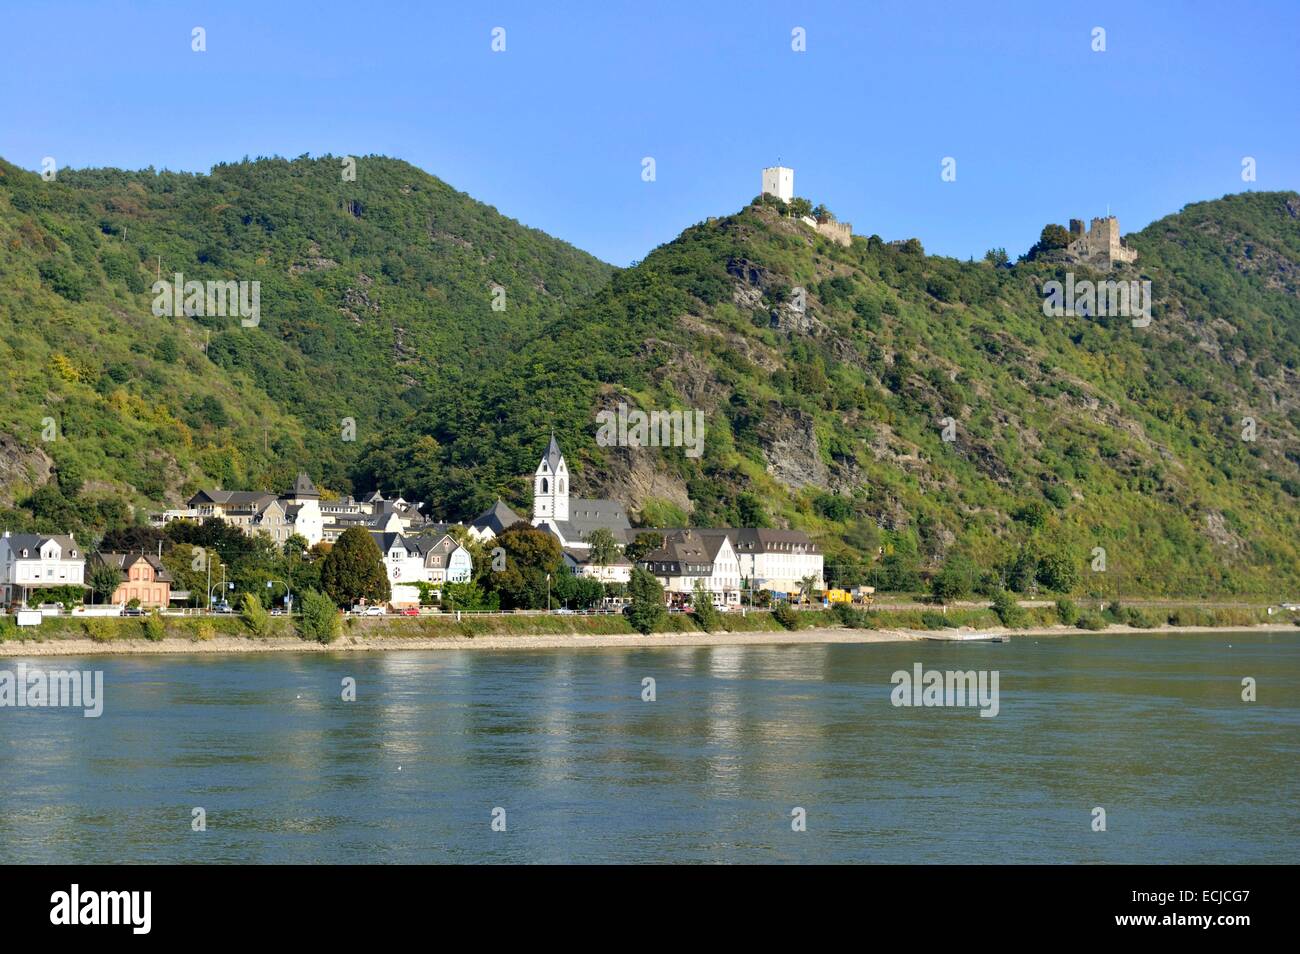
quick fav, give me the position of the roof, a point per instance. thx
(498, 517)
(233, 498)
(583, 557)
(686, 553)
(588, 515)
(34, 541)
(763, 540)
(124, 560)
(552, 457)
(386, 540)
(303, 487)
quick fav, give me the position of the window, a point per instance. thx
(546, 486)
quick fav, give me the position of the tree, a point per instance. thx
(255, 616)
(647, 609)
(104, 580)
(1053, 237)
(531, 554)
(354, 570)
(642, 544)
(1009, 611)
(320, 617)
(705, 613)
(996, 256)
(296, 544)
(799, 207)
(1058, 572)
(604, 548)
(956, 580)
(807, 587)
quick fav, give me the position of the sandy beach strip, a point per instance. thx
(351, 643)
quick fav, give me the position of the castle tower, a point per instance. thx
(779, 181)
(551, 486)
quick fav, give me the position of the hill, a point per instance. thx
(825, 374)
(1071, 433)
(376, 302)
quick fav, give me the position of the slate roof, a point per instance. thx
(498, 518)
(34, 541)
(122, 561)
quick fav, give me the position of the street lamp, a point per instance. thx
(548, 592)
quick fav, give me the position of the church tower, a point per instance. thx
(551, 486)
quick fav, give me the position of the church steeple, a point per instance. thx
(551, 485)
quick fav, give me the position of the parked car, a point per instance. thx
(373, 611)
(221, 606)
(409, 611)
(133, 611)
(564, 611)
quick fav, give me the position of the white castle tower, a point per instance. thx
(551, 486)
(779, 181)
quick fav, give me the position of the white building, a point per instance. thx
(777, 560)
(29, 561)
(296, 511)
(779, 181)
(692, 555)
(571, 519)
(436, 559)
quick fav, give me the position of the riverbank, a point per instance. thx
(355, 642)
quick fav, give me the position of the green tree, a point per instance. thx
(354, 570)
(104, 580)
(604, 548)
(320, 617)
(1052, 237)
(956, 580)
(647, 608)
(705, 613)
(255, 616)
(530, 556)
(1009, 611)
(642, 544)
(1058, 571)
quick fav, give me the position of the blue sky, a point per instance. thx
(553, 130)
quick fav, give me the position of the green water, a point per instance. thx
(1150, 728)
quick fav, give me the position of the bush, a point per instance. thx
(204, 631)
(255, 615)
(98, 630)
(932, 620)
(1067, 612)
(1091, 621)
(154, 630)
(787, 616)
(8, 627)
(705, 613)
(320, 617)
(1010, 613)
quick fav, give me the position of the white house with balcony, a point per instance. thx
(31, 561)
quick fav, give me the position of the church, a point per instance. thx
(569, 519)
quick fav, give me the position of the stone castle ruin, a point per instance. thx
(1100, 245)
(779, 181)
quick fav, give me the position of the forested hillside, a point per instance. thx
(825, 374)
(376, 302)
(1071, 433)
